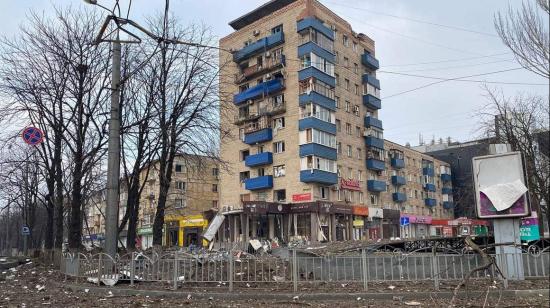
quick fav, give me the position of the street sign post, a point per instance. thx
(404, 221)
(32, 135)
(25, 230)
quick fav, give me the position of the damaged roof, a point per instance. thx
(259, 13)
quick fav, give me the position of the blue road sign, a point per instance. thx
(25, 230)
(33, 135)
(404, 221)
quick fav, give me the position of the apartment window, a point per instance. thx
(339, 148)
(279, 147)
(359, 175)
(348, 128)
(345, 40)
(338, 125)
(179, 168)
(279, 171)
(215, 172)
(339, 195)
(337, 101)
(279, 123)
(346, 81)
(320, 63)
(320, 137)
(243, 176)
(346, 62)
(355, 46)
(337, 57)
(214, 187)
(356, 89)
(316, 111)
(214, 204)
(350, 173)
(416, 194)
(179, 203)
(373, 199)
(261, 172)
(280, 195)
(180, 185)
(339, 171)
(356, 110)
(277, 29)
(357, 131)
(361, 197)
(323, 192)
(350, 154)
(348, 106)
(244, 154)
(243, 87)
(355, 68)
(359, 153)
(337, 79)
(311, 162)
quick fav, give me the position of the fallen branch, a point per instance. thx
(488, 262)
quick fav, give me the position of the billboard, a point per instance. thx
(500, 187)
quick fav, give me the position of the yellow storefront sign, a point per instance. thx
(358, 223)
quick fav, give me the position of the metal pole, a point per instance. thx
(231, 270)
(132, 270)
(364, 265)
(294, 271)
(435, 268)
(113, 165)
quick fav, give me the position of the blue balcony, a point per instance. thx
(398, 163)
(398, 180)
(260, 159)
(429, 202)
(429, 171)
(372, 102)
(371, 80)
(371, 141)
(308, 47)
(447, 190)
(370, 121)
(260, 136)
(312, 22)
(264, 88)
(318, 150)
(376, 186)
(369, 61)
(258, 183)
(399, 197)
(445, 177)
(311, 71)
(448, 205)
(319, 99)
(259, 46)
(321, 125)
(429, 187)
(375, 164)
(318, 176)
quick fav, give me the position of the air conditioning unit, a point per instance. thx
(256, 32)
(267, 54)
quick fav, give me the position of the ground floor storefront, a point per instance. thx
(184, 231)
(416, 226)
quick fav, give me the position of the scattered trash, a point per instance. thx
(181, 278)
(413, 303)
(344, 285)
(359, 298)
(40, 287)
(397, 298)
(110, 294)
(188, 296)
(296, 298)
(278, 278)
(86, 290)
(391, 287)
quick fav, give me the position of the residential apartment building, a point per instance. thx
(307, 157)
(194, 190)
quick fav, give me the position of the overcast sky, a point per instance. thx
(441, 110)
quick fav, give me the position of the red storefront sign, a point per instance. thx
(360, 211)
(301, 197)
(350, 184)
(447, 231)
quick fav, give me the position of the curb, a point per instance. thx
(303, 296)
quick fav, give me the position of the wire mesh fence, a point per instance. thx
(229, 269)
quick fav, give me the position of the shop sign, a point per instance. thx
(301, 197)
(376, 212)
(144, 231)
(262, 207)
(341, 209)
(360, 210)
(529, 229)
(358, 223)
(325, 207)
(304, 207)
(350, 184)
(440, 222)
(391, 214)
(425, 220)
(447, 231)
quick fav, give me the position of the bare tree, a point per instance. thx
(520, 122)
(526, 33)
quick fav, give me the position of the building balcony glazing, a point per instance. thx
(259, 46)
(398, 163)
(376, 186)
(372, 102)
(263, 89)
(398, 180)
(371, 80)
(399, 197)
(371, 121)
(260, 159)
(318, 176)
(429, 202)
(375, 164)
(259, 183)
(369, 61)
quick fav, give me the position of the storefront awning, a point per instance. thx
(263, 207)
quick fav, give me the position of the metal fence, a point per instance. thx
(228, 268)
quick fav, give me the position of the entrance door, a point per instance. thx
(191, 237)
(173, 237)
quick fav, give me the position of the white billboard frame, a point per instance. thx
(504, 168)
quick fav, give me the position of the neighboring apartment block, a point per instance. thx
(193, 191)
(307, 154)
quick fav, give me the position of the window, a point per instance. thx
(261, 172)
(312, 35)
(279, 123)
(313, 162)
(355, 68)
(243, 176)
(361, 197)
(348, 128)
(356, 110)
(356, 91)
(339, 195)
(359, 153)
(359, 175)
(348, 106)
(355, 47)
(346, 62)
(214, 204)
(179, 168)
(350, 154)
(320, 137)
(358, 131)
(280, 195)
(337, 57)
(179, 203)
(244, 154)
(345, 40)
(243, 87)
(320, 63)
(215, 172)
(338, 125)
(346, 81)
(279, 171)
(350, 173)
(337, 79)
(373, 199)
(214, 187)
(278, 147)
(339, 171)
(277, 29)
(311, 84)
(180, 185)
(316, 111)
(339, 148)
(323, 192)
(337, 100)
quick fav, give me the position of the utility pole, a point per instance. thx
(113, 163)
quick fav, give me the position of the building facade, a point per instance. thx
(193, 191)
(307, 155)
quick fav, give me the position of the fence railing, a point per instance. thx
(229, 268)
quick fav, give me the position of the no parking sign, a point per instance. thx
(32, 135)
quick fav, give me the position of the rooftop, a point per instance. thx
(259, 13)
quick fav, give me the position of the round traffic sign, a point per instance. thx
(33, 135)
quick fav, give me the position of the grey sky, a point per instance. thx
(445, 109)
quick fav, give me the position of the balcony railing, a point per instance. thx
(259, 46)
(370, 61)
(318, 176)
(372, 102)
(445, 177)
(399, 197)
(371, 80)
(255, 70)
(263, 89)
(257, 183)
(376, 186)
(270, 109)
(447, 190)
(448, 205)
(398, 180)
(430, 202)
(375, 164)
(372, 121)
(260, 159)
(398, 163)
(429, 187)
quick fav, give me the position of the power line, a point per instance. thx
(417, 20)
(452, 60)
(456, 66)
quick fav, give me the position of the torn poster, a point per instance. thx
(503, 196)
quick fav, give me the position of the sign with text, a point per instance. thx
(529, 228)
(301, 197)
(350, 184)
